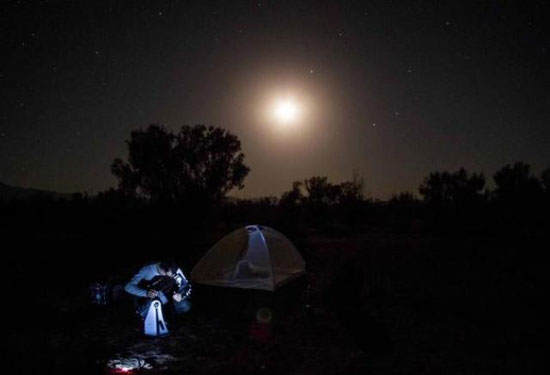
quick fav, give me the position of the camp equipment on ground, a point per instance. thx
(107, 292)
(98, 294)
(154, 324)
(184, 287)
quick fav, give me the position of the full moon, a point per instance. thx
(286, 111)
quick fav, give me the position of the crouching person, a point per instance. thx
(160, 281)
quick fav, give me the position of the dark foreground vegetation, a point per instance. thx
(405, 286)
(450, 283)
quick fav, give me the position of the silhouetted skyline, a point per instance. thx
(394, 90)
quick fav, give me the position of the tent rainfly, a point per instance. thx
(253, 257)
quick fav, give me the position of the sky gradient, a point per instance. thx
(390, 90)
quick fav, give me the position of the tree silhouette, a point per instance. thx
(292, 197)
(516, 184)
(197, 163)
(352, 191)
(457, 187)
(545, 180)
(404, 197)
(321, 192)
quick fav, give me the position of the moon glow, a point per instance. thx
(286, 111)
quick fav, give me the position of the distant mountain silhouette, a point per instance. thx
(15, 193)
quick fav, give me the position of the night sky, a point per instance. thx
(392, 90)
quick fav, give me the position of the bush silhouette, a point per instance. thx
(321, 192)
(452, 188)
(516, 185)
(545, 180)
(293, 197)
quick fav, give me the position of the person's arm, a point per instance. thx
(132, 286)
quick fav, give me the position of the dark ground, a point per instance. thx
(380, 302)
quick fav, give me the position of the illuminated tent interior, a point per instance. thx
(253, 257)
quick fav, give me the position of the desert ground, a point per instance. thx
(379, 302)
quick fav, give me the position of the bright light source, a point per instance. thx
(286, 111)
(123, 370)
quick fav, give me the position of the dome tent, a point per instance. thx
(253, 257)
